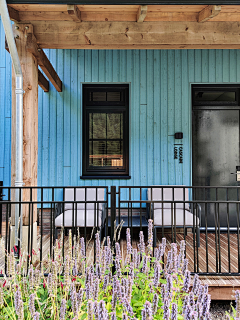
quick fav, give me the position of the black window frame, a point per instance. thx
(88, 107)
(216, 104)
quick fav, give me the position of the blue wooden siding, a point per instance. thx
(160, 105)
(5, 111)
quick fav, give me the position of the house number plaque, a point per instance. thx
(178, 152)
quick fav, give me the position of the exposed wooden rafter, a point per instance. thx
(42, 82)
(74, 12)
(132, 35)
(43, 62)
(141, 14)
(208, 13)
(13, 14)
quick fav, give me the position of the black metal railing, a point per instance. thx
(79, 209)
(207, 218)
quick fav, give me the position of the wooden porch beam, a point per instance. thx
(133, 35)
(141, 14)
(43, 62)
(74, 12)
(208, 13)
(13, 14)
(42, 82)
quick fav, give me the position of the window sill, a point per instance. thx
(105, 177)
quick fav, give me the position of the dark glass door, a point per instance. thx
(215, 138)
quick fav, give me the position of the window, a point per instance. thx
(105, 131)
(215, 96)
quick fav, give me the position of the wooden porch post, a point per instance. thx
(30, 121)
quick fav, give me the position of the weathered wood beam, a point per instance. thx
(133, 35)
(74, 12)
(43, 62)
(42, 82)
(208, 13)
(13, 14)
(141, 14)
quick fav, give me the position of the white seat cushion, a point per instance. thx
(80, 196)
(168, 217)
(80, 218)
(155, 193)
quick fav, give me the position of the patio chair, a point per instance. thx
(179, 214)
(74, 213)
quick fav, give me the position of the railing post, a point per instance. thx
(113, 210)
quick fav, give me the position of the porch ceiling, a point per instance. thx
(131, 26)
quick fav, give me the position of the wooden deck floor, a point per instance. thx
(220, 287)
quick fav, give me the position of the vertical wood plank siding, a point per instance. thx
(5, 111)
(160, 105)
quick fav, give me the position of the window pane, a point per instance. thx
(97, 125)
(115, 153)
(114, 96)
(215, 96)
(114, 126)
(97, 153)
(98, 96)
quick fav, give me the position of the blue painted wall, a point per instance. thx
(5, 111)
(160, 105)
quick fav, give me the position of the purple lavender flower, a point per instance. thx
(82, 247)
(98, 247)
(114, 299)
(237, 300)
(182, 250)
(145, 264)
(118, 249)
(74, 302)
(169, 262)
(169, 286)
(75, 268)
(191, 299)
(164, 291)
(95, 309)
(199, 310)
(196, 284)
(32, 304)
(150, 233)
(164, 243)
(144, 315)
(185, 303)
(90, 309)
(129, 246)
(200, 293)
(155, 303)
(174, 311)
(105, 282)
(188, 311)
(127, 306)
(208, 316)
(63, 309)
(206, 288)
(194, 315)
(113, 316)
(17, 299)
(134, 258)
(185, 266)
(148, 310)
(156, 274)
(141, 242)
(125, 317)
(174, 256)
(108, 242)
(206, 304)
(186, 283)
(166, 312)
(102, 311)
(36, 316)
(80, 296)
(131, 270)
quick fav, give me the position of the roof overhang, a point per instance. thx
(128, 2)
